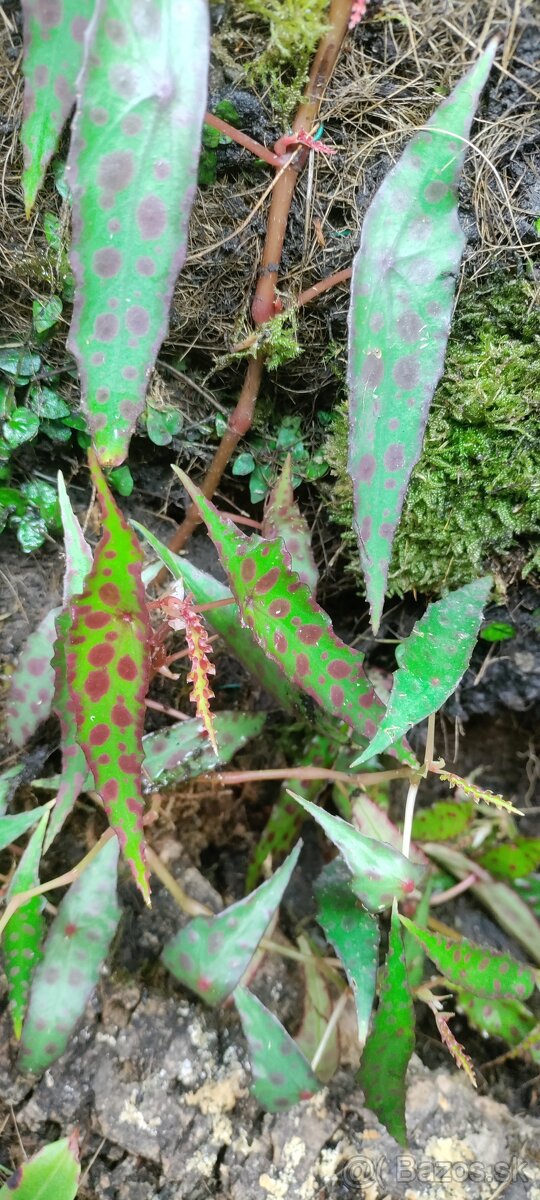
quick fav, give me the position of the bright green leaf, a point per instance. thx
(31, 532)
(506, 1019)
(75, 949)
(244, 464)
(512, 860)
(354, 934)
(481, 970)
(121, 479)
(51, 1174)
(24, 931)
(391, 1042)
(211, 954)
(443, 821)
(21, 426)
(431, 662)
(163, 424)
(497, 631)
(282, 1075)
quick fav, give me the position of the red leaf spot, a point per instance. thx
(267, 581)
(302, 664)
(70, 929)
(100, 656)
(204, 984)
(338, 670)
(109, 791)
(97, 685)
(337, 695)
(109, 593)
(129, 763)
(309, 634)
(96, 620)
(121, 717)
(279, 608)
(408, 886)
(98, 735)
(37, 666)
(305, 1095)
(248, 570)
(127, 667)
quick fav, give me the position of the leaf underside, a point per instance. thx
(211, 954)
(75, 949)
(431, 662)
(132, 169)
(107, 662)
(402, 294)
(353, 933)
(53, 55)
(390, 1043)
(282, 1075)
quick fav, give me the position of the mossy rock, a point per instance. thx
(474, 496)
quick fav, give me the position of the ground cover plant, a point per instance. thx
(92, 660)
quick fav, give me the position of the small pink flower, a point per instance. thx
(357, 12)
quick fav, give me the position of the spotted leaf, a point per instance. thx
(226, 621)
(512, 860)
(443, 821)
(211, 954)
(24, 931)
(76, 947)
(107, 662)
(402, 295)
(283, 519)
(32, 683)
(431, 662)
(53, 54)
(506, 1019)
(289, 626)
(51, 1173)
(13, 827)
(182, 751)
(286, 818)
(132, 169)
(481, 970)
(282, 1075)
(353, 933)
(390, 1043)
(378, 873)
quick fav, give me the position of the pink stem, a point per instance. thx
(243, 139)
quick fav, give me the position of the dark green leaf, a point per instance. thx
(121, 479)
(163, 424)
(391, 1042)
(354, 934)
(243, 465)
(13, 826)
(24, 931)
(19, 363)
(52, 228)
(46, 314)
(44, 497)
(282, 1075)
(506, 1019)
(21, 426)
(47, 403)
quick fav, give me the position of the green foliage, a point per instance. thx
(269, 451)
(354, 934)
(484, 972)
(51, 1174)
(473, 494)
(293, 34)
(282, 1075)
(212, 138)
(24, 931)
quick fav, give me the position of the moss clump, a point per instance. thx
(295, 29)
(475, 492)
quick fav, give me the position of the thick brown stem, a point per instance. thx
(263, 306)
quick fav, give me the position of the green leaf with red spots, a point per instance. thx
(512, 860)
(282, 1075)
(378, 872)
(506, 1019)
(13, 826)
(391, 1042)
(353, 933)
(107, 662)
(402, 295)
(290, 627)
(76, 947)
(211, 954)
(481, 970)
(182, 751)
(53, 55)
(132, 169)
(286, 818)
(318, 1008)
(431, 662)
(51, 1174)
(226, 622)
(32, 683)
(24, 931)
(283, 519)
(443, 821)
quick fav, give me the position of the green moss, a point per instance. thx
(475, 493)
(294, 31)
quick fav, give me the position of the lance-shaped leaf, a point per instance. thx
(182, 751)
(53, 55)
(401, 304)
(390, 1043)
(75, 949)
(24, 931)
(506, 1019)
(226, 622)
(8, 785)
(51, 1174)
(132, 169)
(289, 626)
(512, 860)
(282, 1075)
(283, 519)
(286, 818)
(13, 827)
(479, 969)
(74, 767)
(32, 683)
(374, 822)
(378, 873)
(353, 933)
(211, 954)
(107, 662)
(431, 662)
(318, 1008)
